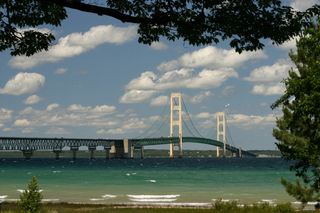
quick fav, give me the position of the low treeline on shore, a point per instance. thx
(218, 207)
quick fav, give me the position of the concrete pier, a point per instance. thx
(57, 153)
(92, 149)
(74, 150)
(27, 153)
(107, 149)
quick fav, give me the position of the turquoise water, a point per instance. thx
(150, 180)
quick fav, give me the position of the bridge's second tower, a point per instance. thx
(221, 131)
(176, 120)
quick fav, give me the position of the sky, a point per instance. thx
(97, 81)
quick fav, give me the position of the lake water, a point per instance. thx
(193, 180)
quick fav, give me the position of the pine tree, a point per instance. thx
(30, 199)
(298, 130)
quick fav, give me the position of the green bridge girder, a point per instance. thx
(167, 140)
(19, 143)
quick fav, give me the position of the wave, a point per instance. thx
(153, 196)
(153, 200)
(152, 181)
(96, 199)
(108, 196)
(3, 196)
(51, 200)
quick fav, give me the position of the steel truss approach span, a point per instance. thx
(51, 144)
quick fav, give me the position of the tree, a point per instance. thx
(245, 24)
(298, 130)
(30, 199)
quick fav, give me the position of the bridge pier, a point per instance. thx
(92, 149)
(57, 153)
(142, 153)
(239, 154)
(27, 153)
(107, 149)
(74, 150)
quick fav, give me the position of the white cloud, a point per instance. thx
(52, 107)
(75, 44)
(23, 83)
(302, 5)
(182, 78)
(1, 125)
(136, 96)
(251, 120)
(99, 109)
(21, 123)
(273, 73)
(200, 97)
(27, 130)
(268, 79)
(7, 129)
(60, 71)
(205, 115)
(290, 44)
(158, 45)
(57, 131)
(33, 99)
(160, 101)
(268, 89)
(5, 114)
(211, 57)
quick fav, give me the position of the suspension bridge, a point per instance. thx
(124, 148)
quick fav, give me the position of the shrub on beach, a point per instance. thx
(30, 199)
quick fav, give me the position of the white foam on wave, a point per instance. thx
(108, 196)
(22, 190)
(3, 196)
(153, 196)
(152, 181)
(96, 199)
(270, 201)
(50, 200)
(56, 171)
(153, 200)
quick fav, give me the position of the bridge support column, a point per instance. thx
(27, 153)
(107, 149)
(240, 152)
(91, 150)
(221, 131)
(171, 153)
(74, 150)
(132, 152)
(218, 152)
(176, 120)
(57, 153)
(142, 152)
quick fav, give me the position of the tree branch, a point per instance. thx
(74, 4)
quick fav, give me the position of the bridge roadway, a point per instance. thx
(117, 147)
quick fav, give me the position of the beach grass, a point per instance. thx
(218, 207)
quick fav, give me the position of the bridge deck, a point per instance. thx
(19, 143)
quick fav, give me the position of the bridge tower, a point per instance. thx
(221, 131)
(176, 120)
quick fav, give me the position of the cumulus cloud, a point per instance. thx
(23, 83)
(199, 98)
(158, 46)
(75, 44)
(57, 131)
(148, 83)
(302, 5)
(52, 107)
(267, 79)
(251, 120)
(60, 71)
(21, 123)
(161, 100)
(205, 115)
(136, 96)
(269, 89)
(5, 114)
(211, 57)
(290, 44)
(33, 99)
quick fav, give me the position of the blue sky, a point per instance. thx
(97, 81)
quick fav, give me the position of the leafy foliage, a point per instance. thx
(30, 199)
(298, 130)
(245, 24)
